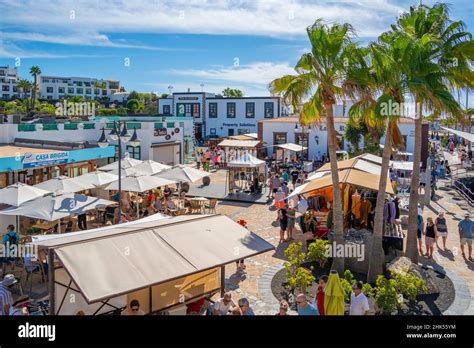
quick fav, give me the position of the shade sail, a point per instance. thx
(126, 163)
(156, 252)
(292, 147)
(465, 135)
(349, 176)
(246, 161)
(355, 163)
(402, 165)
(182, 173)
(316, 175)
(139, 183)
(64, 184)
(147, 167)
(52, 208)
(371, 158)
(20, 193)
(97, 179)
(239, 143)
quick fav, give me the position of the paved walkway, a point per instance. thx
(261, 220)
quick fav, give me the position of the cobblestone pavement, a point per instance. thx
(261, 220)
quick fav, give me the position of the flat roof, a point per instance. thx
(13, 151)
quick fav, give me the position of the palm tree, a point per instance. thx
(319, 75)
(373, 83)
(436, 53)
(34, 71)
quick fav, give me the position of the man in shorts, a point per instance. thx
(465, 234)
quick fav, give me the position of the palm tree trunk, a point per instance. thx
(412, 242)
(338, 262)
(33, 93)
(377, 256)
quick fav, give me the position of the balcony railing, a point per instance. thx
(26, 127)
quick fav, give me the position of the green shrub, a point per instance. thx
(368, 290)
(409, 285)
(317, 252)
(301, 279)
(387, 298)
(295, 255)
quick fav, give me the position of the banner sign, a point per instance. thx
(44, 159)
(160, 132)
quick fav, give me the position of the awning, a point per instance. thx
(371, 158)
(109, 263)
(349, 176)
(246, 161)
(402, 165)
(248, 136)
(292, 147)
(239, 143)
(355, 163)
(465, 135)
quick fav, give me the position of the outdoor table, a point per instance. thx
(46, 225)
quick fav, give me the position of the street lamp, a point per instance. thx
(119, 133)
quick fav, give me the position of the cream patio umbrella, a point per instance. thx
(20, 193)
(97, 178)
(147, 167)
(182, 173)
(64, 184)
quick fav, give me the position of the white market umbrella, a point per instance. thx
(127, 162)
(139, 184)
(53, 208)
(20, 193)
(182, 173)
(64, 184)
(148, 167)
(97, 179)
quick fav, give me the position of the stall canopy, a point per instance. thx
(452, 159)
(371, 158)
(160, 251)
(52, 208)
(292, 147)
(239, 143)
(465, 135)
(355, 163)
(348, 176)
(20, 193)
(246, 161)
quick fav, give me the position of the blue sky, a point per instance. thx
(184, 43)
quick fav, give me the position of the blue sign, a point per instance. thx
(45, 159)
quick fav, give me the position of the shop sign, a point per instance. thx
(160, 132)
(44, 159)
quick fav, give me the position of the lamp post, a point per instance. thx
(120, 134)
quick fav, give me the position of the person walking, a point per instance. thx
(465, 235)
(283, 219)
(430, 237)
(442, 228)
(419, 232)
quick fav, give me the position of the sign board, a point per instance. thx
(160, 132)
(188, 98)
(31, 160)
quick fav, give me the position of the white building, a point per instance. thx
(8, 82)
(288, 130)
(216, 116)
(54, 88)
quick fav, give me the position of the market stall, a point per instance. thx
(234, 149)
(247, 174)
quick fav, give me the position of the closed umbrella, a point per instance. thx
(182, 173)
(20, 193)
(334, 295)
(139, 184)
(97, 179)
(64, 184)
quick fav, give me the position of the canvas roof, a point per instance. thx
(355, 163)
(239, 143)
(348, 176)
(292, 147)
(465, 135)
(247, 161)
(157, 252)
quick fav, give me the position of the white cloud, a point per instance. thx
(84, 22)
(8, 50)
(259, 73)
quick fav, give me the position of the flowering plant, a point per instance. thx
(242, 223)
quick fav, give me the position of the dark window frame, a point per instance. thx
(267, 104)
(213, 112)
(229, 105)
(247, 104)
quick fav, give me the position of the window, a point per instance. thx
(250, 110)
(231, 112)
(196, 111)
(88, 91)
(78, 83)
(212, 110)
(341, 128)
(49, 89)
(134, 152)
(230, 132)
(169, 124)
(50, 97)
(213, 131)
(60, 89)
(167, 109)
(79, 90)
(97, 91)
(302, 139)
(268, 110)
(104, 92)
(279, 138)
(5, 88)
(70, 90)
